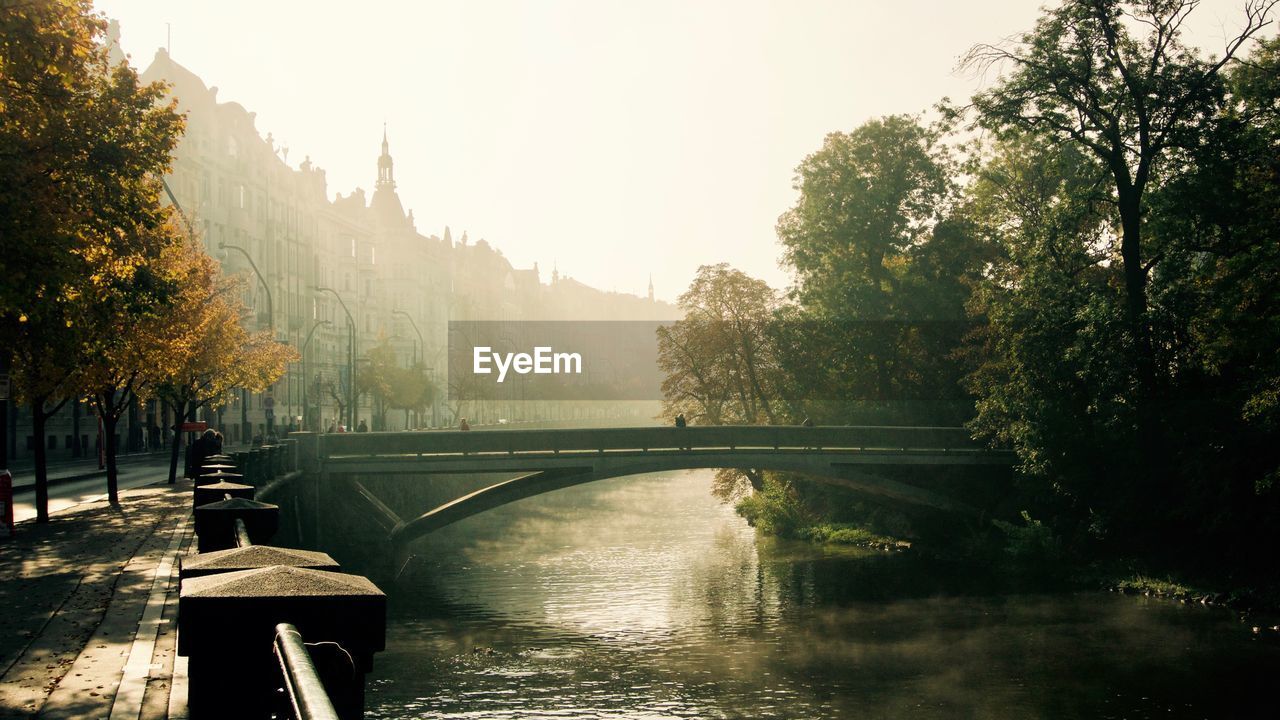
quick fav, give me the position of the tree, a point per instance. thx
(134, 337)
(82, 148)
(1044, 384)
(882, 267)
(720, 361)
(412, 390)
(1083, 77)
(216, 354)
(1186, 472)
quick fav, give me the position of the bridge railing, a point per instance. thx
(646, 439)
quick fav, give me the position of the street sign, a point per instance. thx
(200, 426)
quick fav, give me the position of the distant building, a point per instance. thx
(238, 190)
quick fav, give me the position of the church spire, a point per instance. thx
(386, 176)
(650, 287)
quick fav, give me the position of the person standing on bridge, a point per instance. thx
(464, 425)
(680, 421)
(362, 427)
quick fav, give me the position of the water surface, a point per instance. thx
(644, 597)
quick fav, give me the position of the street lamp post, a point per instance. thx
(351, 358)
(271, 317)
(306, 406)
(246, 428)
(421, 344)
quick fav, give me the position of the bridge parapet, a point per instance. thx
(712, 437)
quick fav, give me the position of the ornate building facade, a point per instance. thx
(306, 256)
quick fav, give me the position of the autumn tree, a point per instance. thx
(392, 387)
(719, 360)
(377, 379)
(133, 337)
(412, 390)
(214, 354)
(82, 149)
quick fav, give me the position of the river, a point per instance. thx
(644, 597)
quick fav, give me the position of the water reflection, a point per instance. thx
(644, 598)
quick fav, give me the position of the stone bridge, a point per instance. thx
(545, 460)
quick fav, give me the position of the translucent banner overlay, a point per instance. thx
(554, 360)
(631, 360)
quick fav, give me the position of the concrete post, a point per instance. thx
(227, 626)
(213, 492)
(308, 451)
(209, 468)
(220, 476)
(254, 557)
(215, 522)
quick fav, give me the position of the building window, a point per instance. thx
(373, 256)
(240, 196)
(353, 247)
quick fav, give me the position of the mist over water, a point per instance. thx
(644, 597)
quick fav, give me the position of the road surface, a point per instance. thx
(69, 494)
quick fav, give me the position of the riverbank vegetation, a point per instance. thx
(1081, 264)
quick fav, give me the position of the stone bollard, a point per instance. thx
(219, 476)
(253, 557)
(226, 627)
(255, 466)
(215, 523)
(272, 453)
(290, 454)
(209, 468)
(269, 461)
(308, 451)
(211, 493)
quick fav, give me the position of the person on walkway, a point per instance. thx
(680, 421)
(464, 425)
(362, 427)
(200, 450)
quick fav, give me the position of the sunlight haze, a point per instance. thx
(612, 140)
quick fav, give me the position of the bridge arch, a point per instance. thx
(545, 460)
(835, 471)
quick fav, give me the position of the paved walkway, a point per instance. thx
(87, 603)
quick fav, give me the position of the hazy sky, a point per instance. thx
(616, 139)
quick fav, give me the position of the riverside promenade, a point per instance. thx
(87, 607)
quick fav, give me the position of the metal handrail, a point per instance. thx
(242, 533)
(302, 683)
